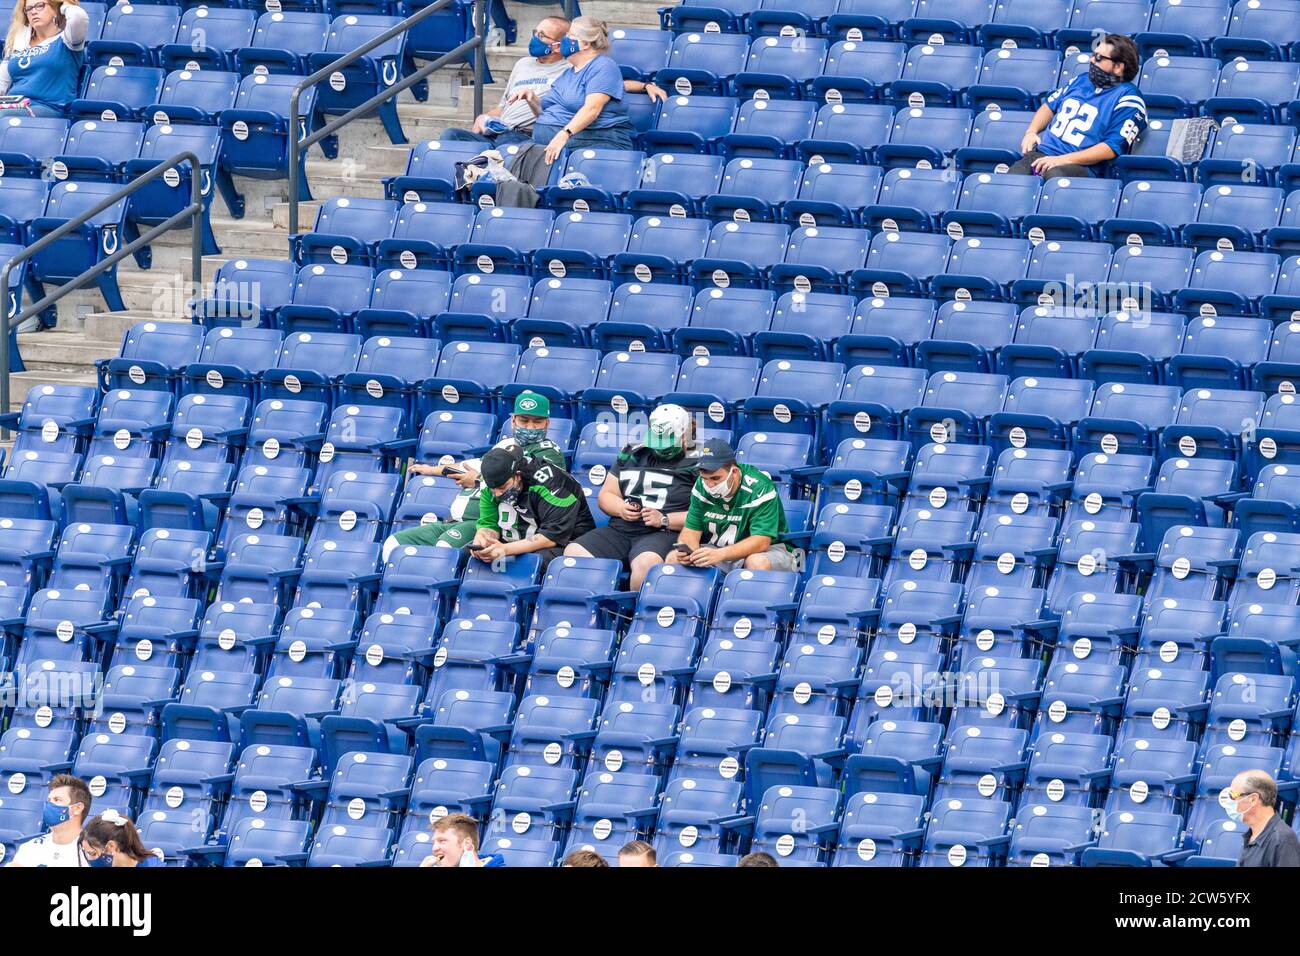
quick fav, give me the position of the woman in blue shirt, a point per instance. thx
(111, 839)
(44, 50)
(584, 107)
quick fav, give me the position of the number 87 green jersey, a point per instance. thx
(755, 509)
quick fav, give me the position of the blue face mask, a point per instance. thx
(1235, 815)
(569, 46)
(102, 860)
(529, 436)
(538, 48)
(53, 814)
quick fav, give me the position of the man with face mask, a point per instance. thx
(526, 506)
(1094, 118)
(64, 814)
(511, 121)
(646, 494)
(529, 425)
(1252, 802)
(735, 519)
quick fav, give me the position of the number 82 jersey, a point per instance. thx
(1087, 115)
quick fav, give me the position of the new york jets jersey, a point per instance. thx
(1087, 115)
(464, 507)
(661, 485)
(551, 504)
(754, 509)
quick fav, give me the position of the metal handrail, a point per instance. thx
(194, 212)
(477, 43)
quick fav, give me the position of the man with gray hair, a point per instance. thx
(1252, 800)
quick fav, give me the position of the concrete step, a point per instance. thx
(22, 382)
(104, 330)
(58, 350)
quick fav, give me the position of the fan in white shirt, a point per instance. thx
(64, 813)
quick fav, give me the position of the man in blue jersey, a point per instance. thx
(1092, 119)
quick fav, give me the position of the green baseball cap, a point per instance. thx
(530, 403)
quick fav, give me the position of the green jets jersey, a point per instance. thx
(551, 503)
(465, 506)
(755, 509)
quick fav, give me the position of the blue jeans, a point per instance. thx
(454, 134)
(615, 137)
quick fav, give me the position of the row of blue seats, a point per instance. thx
(937, 72)
(1206, 27)
(838, 205)
(919, 736)
(828, 269)
(753, 176)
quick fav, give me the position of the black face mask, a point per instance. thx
(1099, 77)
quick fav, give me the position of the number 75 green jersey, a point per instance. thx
(754, 509)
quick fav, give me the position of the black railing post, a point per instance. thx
(480, 53)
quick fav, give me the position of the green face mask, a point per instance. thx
(530, 436)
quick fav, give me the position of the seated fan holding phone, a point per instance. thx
(646, 494)
(529, 424)
(527, 506)
(736, 518)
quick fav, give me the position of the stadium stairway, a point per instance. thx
(86, 331)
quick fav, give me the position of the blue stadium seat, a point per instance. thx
(209, 37)
(118, 93)
(703, 62)
(131, 33)
(281, 42)
(856, 70)
(430, 172)
(346, 232)
(255, 134)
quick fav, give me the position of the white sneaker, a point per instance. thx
(496, 37)
(31, 324)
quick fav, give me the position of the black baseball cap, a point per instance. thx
(500, 465)
(714, 454)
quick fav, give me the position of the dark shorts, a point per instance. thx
(610, 542)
